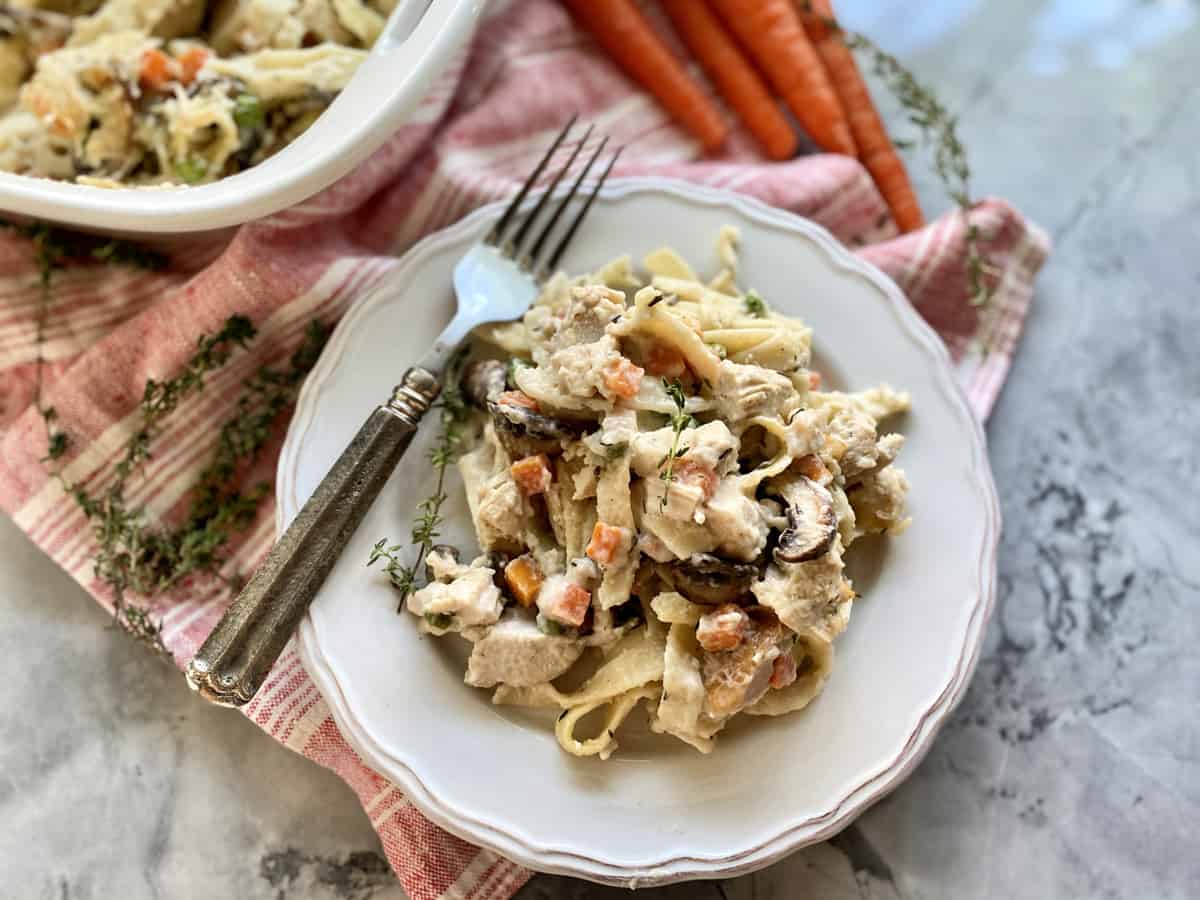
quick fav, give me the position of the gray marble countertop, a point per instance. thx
(1072, 769)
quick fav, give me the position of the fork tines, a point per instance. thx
(513, 241)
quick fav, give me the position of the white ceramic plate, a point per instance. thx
(658, 811)
(421, 36)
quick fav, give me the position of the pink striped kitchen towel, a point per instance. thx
(110, 328)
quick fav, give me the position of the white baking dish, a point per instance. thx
(420, 38)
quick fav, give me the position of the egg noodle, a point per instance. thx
(663, 496)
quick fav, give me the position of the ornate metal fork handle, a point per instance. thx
(495, 281)
(235, 659)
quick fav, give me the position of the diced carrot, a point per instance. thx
(42, 108)
(524, 579)
(688, 471)
(810, 466)
(722, 629)
(665, 360)
(623, 378)
(191, 62)
(569, 605)
(814, 381)
(532, 474)
(518, 398)
(156, 70)
(608, 543)
(783, 671)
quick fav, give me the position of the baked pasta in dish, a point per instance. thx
(169, 92)
(663, 494)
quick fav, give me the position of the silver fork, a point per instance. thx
(496, 280)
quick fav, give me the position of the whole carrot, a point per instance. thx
(875, 149)
(771, 33)
(624, 33)
(737, 81)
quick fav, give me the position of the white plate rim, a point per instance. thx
(795, 835)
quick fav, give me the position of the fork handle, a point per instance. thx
(235, 658)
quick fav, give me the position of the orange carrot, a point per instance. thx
(532, 474)
(771, 33)
(524, 579)
(874, 147)
(664, 360)
(698, 475)
(608, 542)
(723, 628)
(738, 82)
(622, 30)
(567, 605)
(518, 398)
(156, 70)
(622, 378)
(191, 62)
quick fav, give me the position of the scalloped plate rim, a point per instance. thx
(792, 836)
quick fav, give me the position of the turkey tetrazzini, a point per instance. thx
(120, 93)
(662, 494)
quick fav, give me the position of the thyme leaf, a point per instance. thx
(680, 420)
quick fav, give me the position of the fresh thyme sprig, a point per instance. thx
(218, 508)
(680, 420)
(938, 129)
(133, 555)
(454, 413)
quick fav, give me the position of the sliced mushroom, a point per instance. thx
(704, 578)
(647, 582)
(812, 522)
(525, 431)
(484, 380)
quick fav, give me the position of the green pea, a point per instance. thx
(191, 171)
(248, 112)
